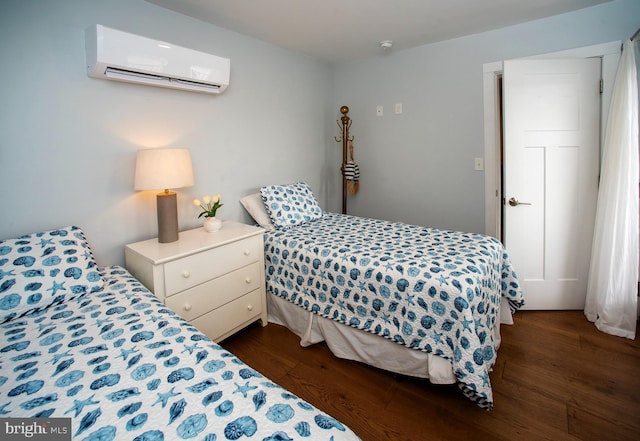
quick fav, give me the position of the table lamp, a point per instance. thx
(158, 169)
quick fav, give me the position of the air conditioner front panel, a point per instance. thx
(121, 56)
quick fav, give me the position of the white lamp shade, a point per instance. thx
(162, 169)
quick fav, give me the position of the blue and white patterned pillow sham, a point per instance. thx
(46, 268)
(290, 205)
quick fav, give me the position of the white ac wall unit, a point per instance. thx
(120, 56)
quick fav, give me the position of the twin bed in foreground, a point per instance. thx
(95, 346)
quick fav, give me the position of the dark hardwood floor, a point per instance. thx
(557, 378)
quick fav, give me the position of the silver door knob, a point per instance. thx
(513, 202)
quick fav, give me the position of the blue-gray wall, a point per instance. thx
(68, 142)
(417, 167)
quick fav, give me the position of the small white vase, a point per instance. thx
(212, 224)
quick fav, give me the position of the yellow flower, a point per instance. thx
(196, 202)
(206, 199)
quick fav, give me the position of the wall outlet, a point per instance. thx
(379, 111)
(398, 109)
(478, 164)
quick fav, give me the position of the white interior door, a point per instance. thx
(551, 166)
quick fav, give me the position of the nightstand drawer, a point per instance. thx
(200, 299)
(193, 270)
(230, 316)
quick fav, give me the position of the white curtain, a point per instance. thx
(613, 276)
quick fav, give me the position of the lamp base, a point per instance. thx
(167, 204)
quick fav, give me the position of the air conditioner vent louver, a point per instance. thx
(156, 80)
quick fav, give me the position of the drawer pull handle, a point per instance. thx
(186, 274)
(247, 252)
(187, 307)
(250, 307)
(247, 280)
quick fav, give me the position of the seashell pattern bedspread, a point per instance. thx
(123, 366)
(430, 290)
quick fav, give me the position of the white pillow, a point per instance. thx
(254, 205)
(290, 205)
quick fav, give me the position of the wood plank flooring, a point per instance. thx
(556, 378)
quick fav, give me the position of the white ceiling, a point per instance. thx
(342, 30)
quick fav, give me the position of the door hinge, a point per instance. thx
(601, 85)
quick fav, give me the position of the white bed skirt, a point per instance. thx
(354, 344)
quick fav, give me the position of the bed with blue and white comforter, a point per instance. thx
(96, 346)
(430, 290)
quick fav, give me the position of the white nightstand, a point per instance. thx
(214, 280)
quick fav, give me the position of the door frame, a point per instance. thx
(492, 73)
